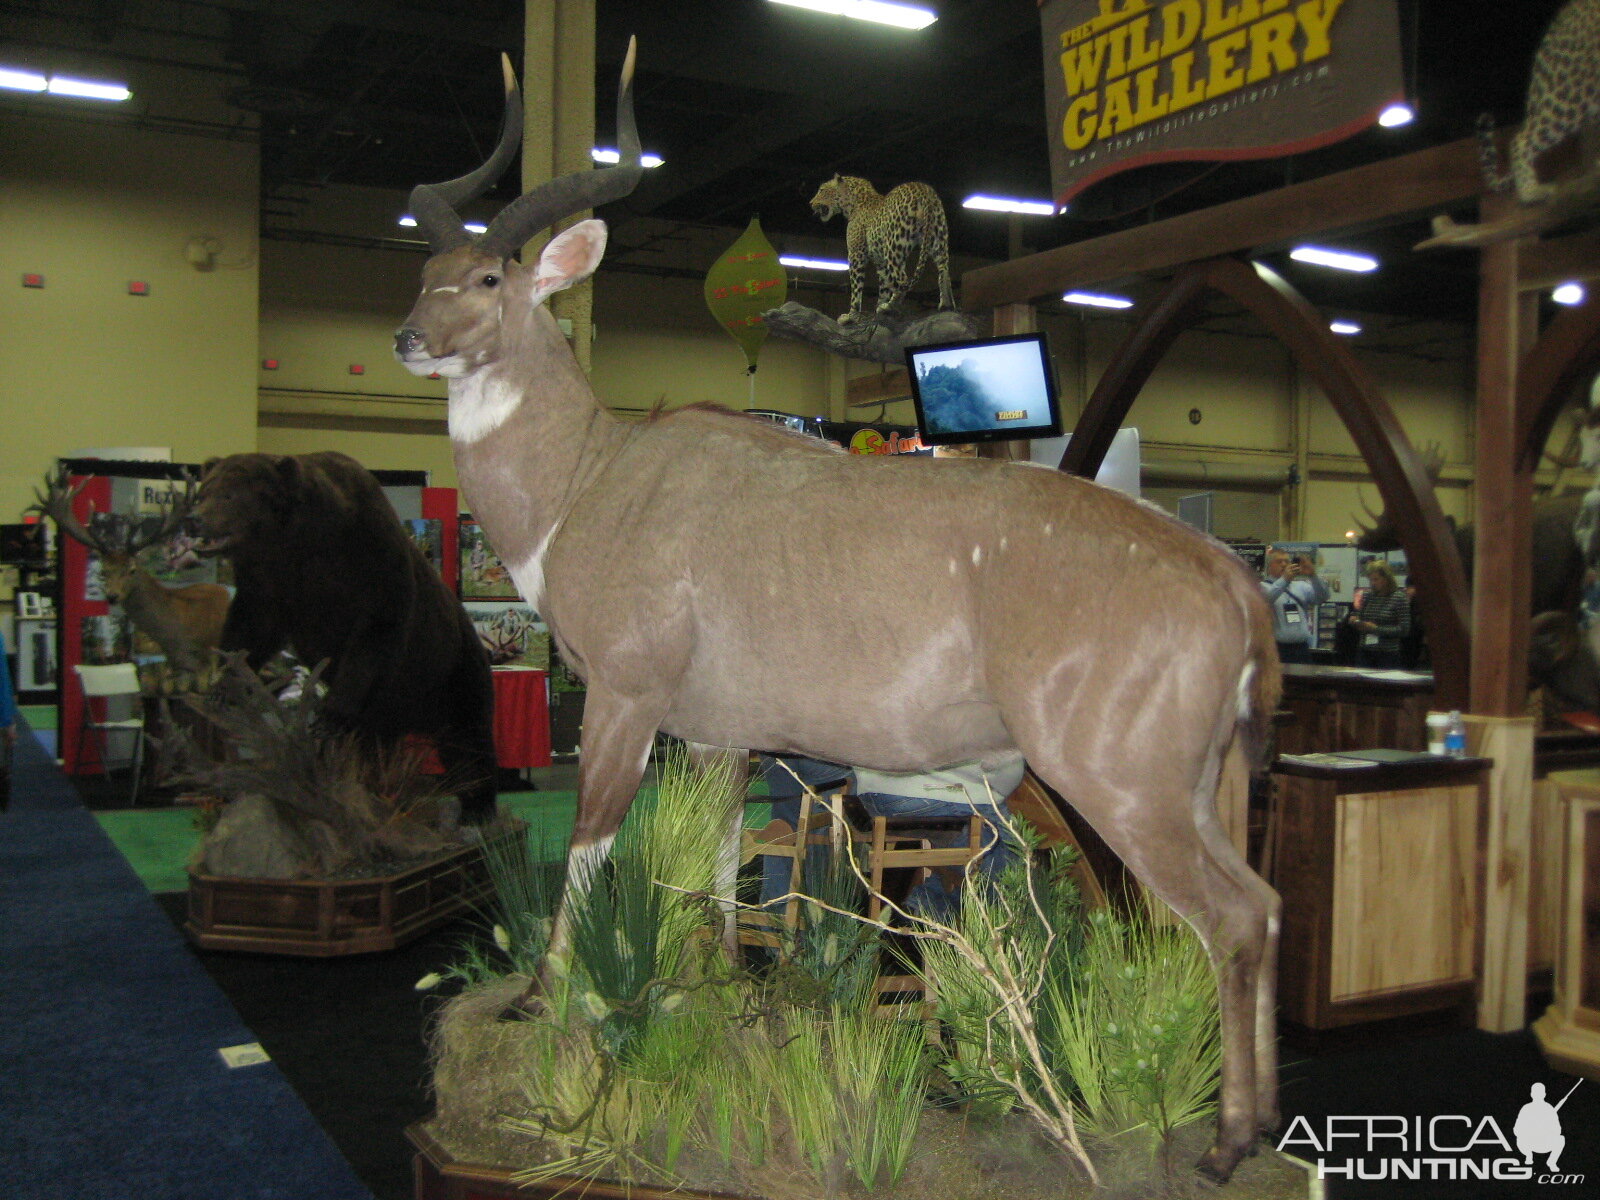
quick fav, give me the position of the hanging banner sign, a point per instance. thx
(1134, 82)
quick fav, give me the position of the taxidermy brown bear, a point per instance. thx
(323, 565)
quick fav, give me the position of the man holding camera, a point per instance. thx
(1294, 591)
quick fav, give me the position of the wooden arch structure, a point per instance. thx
(1561, 364)
(1401, 478)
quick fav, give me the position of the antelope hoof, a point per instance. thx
(530, 1003)
(1216, 1165)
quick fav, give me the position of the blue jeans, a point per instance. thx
(932, 897)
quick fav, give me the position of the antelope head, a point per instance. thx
(471, 285)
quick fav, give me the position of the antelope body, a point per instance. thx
(707, 574)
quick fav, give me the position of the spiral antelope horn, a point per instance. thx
(434, 205)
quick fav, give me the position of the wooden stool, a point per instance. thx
(816, 826)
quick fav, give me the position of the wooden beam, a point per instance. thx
(1548, 264)
(891, 384)
(1384, 191)
(1503, 491)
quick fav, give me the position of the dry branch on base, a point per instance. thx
(876, 339)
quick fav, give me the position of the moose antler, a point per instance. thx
(434, 204)
(1381, 534)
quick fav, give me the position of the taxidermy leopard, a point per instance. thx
(896, 233)
(1563, 96)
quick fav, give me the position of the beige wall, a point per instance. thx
(82, 362)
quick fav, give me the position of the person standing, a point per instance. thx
(1294, 591)
(1383, 620)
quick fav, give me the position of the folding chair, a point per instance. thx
(105, 684)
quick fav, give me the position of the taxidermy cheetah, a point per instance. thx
(896, 233)
(1563, 96)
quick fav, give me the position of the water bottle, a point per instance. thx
(1455, 735)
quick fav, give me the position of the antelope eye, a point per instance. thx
(491, 280)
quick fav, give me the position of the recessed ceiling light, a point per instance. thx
(813, 264)
(1339, 260)
(22, 81)
(61, 85)
(1032, 208)
(902, 16)
(1568, 293)
(410, 222)
(1396, 115)
(1097, 300)
(1348, 328)
(611, 156)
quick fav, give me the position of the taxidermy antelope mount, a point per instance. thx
(186, 621)
(704, 571)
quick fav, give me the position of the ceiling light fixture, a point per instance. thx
(1348, 328)
(1568, 293)
(410, 222)
(1032, 208)
(1397, 115)
(1097, 300)
(611, 156)
(1339, 260)
(813, 264)
(18, 80)
(901, 16)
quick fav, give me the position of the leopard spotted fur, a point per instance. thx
(1563, 96)
(896, 233)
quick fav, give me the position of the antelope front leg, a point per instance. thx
(737, 765)
(618, 732)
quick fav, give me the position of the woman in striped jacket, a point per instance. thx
(1383, 619)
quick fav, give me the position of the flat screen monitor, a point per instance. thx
(991, 390)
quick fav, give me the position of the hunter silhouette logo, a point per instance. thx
(1450, 1147)
(1538, 1127)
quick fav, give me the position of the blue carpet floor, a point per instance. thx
(111, 1086)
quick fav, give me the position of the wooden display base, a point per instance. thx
(1568, 1046)
(440, 1177)
(317, 918)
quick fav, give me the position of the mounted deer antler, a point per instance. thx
(186, 622)
(702, 572)
(1382, 534)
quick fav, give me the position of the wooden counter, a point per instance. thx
(1350, 708)
(1378, 869)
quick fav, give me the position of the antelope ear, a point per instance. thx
(570, 257)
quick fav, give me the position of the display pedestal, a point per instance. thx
(1569, 1031)
(438, 1176)
(320, 918)
(1378, 867)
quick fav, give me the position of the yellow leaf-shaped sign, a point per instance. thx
(744, 283)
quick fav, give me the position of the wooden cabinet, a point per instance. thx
(1346, 708)
(1378, 869)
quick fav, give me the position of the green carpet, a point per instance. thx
(158, 842)
(39, 716)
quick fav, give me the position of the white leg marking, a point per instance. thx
(582, 863)
(529, 573)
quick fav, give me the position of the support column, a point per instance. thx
(1501, 588)
(1010, 318)
(558, 127)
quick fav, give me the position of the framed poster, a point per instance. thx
(483, 575)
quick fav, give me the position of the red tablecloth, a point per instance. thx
(521, 718)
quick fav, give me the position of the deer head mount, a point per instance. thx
(117, 538)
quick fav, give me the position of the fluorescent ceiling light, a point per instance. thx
(410, 222)
(1396, 115)
(1339, 260)
(60, 85)
(1568, 293)
(902, 16)
(1032, 208)
(1345, 327)
(611, 156)
(22, 81)
(814, 264)
(1097, 300)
